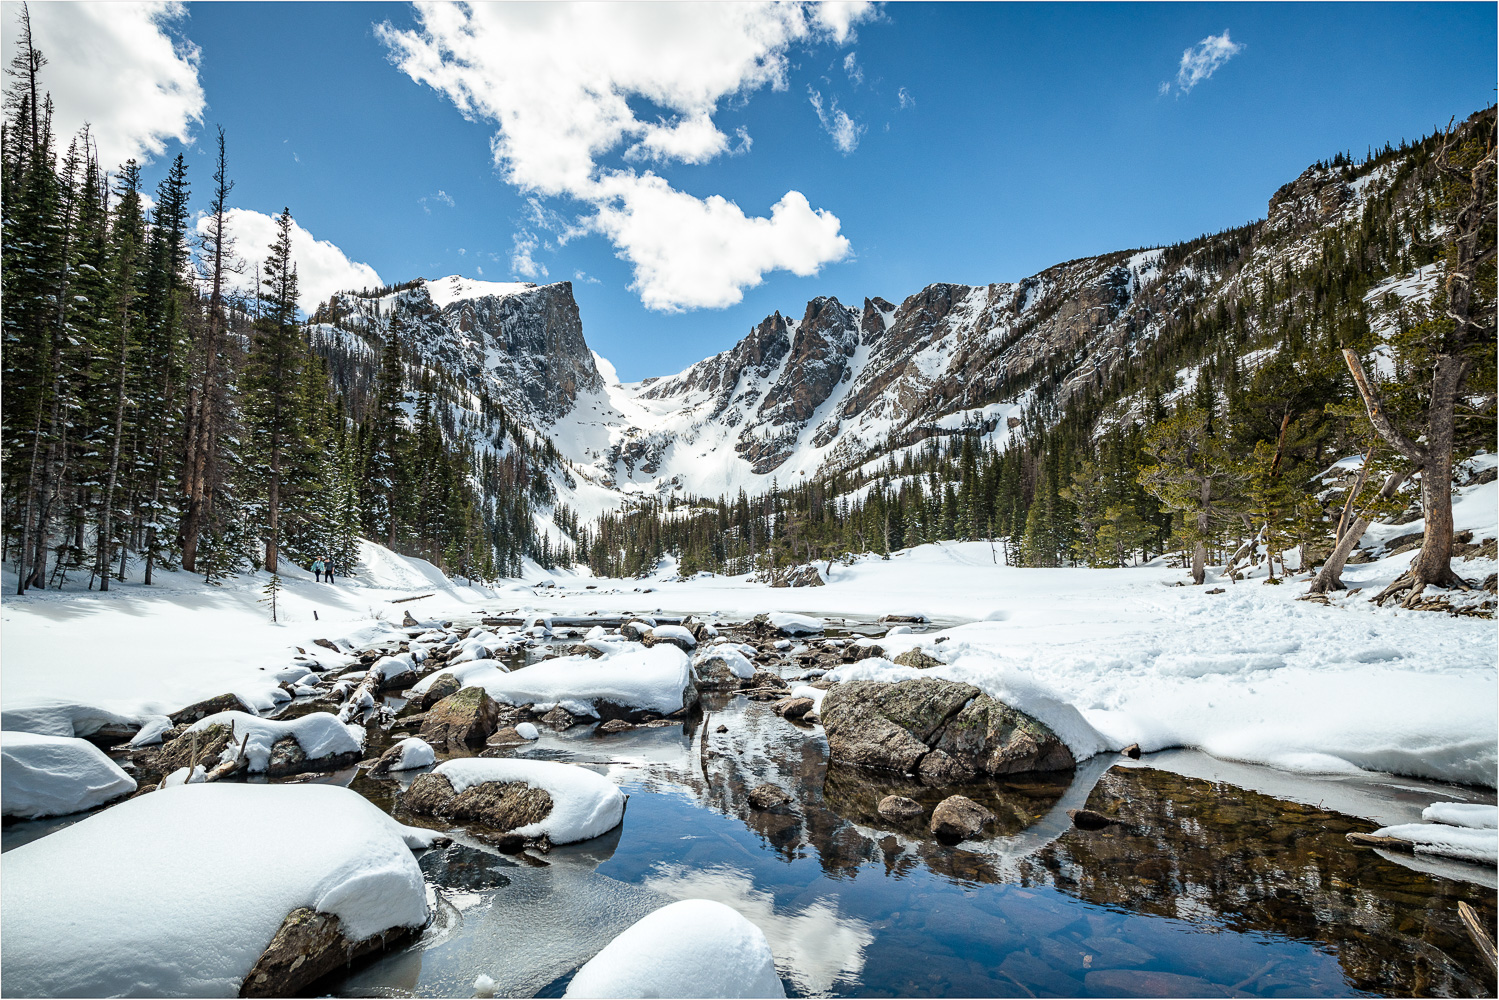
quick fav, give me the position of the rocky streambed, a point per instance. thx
(910, 839)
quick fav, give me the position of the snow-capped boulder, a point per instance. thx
(795, 624)
(221, 852)
(56, 775)
(721, 665)
(674, 634)
(315, 742)
(527, 799)
(945, 731)
(691, 948)
(627, 681)
(407, 755)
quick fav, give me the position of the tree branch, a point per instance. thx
(1377, 416)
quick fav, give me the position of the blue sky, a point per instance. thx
(982, 142)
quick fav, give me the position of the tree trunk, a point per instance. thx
(1330, 577)
(1200, 549)
(107, 518)
(272, 545)
(1433, 565)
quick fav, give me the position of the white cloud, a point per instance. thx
(1163, 89)
(558, 81)
(836, 122)
(522, 259)
(441, 196)
(322, 268)
(851, 67)
(904, 97)
(1203, 59)
(116, 67)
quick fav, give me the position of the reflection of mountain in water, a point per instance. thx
(815, 947)
(1206, 852)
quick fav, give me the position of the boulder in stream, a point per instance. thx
(466, 717)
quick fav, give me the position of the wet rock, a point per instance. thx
(559, 718)
(442, 686)
(958, 817)
(768, 796)
(990, 737)
(308, 946)
(1147, 983)
(878, 724)
(899, 809)
(721, 729)
(1087, 819)
(583, 649)
(917, 658)
(1132, 751)
(764, 679)
(466, 717)
(634, 631)
(212, 706)
(855, 653)
(652, 639)
(615, 726)
(326, 644)
(500, 806)
(793, 708)
(904, 619)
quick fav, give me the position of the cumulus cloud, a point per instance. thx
(322, 268)
(522, 259)
(559, 82)
(119, 68)
(835, 121)
(1203, 59)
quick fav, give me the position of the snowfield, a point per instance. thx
(178, 892)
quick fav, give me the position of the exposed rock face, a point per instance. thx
(442, 685)
(308, 946)
(178, 752)
(958, 817)
(466, 717)
(501, 806)
(917, 658)
(943, 731)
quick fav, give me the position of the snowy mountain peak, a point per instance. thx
(455, 288)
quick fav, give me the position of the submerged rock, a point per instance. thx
(793, 708)
(958, 817)
(466, 717)
(768, 796)
(898, 808)
(944, 731)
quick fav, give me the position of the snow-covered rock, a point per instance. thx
(691, 948)
(411, 753)
(796, 624)
(53, 717)
(177, 893)
(585, 804)
(674, 633)
(527, 731)
(319, 734)
(646, 679)
(56, 775)
(1462, 830)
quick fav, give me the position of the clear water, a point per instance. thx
(1207, 888)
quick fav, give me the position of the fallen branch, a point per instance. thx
(235, 764)
(403, 600)
(1480, 936)
(1384, 843)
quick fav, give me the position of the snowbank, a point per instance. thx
(585, 804)
(56, 775)
(52, 717)
(652, 679)
(1476, 817)
(319, 734)
(178, 892)
(1460, 842)
(692, 948)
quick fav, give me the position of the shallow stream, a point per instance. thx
(1221, 880)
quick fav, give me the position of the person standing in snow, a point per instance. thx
(317, 570)
(327, 569)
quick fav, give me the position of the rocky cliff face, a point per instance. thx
(522, 344)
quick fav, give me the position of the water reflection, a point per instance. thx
(815, 947)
